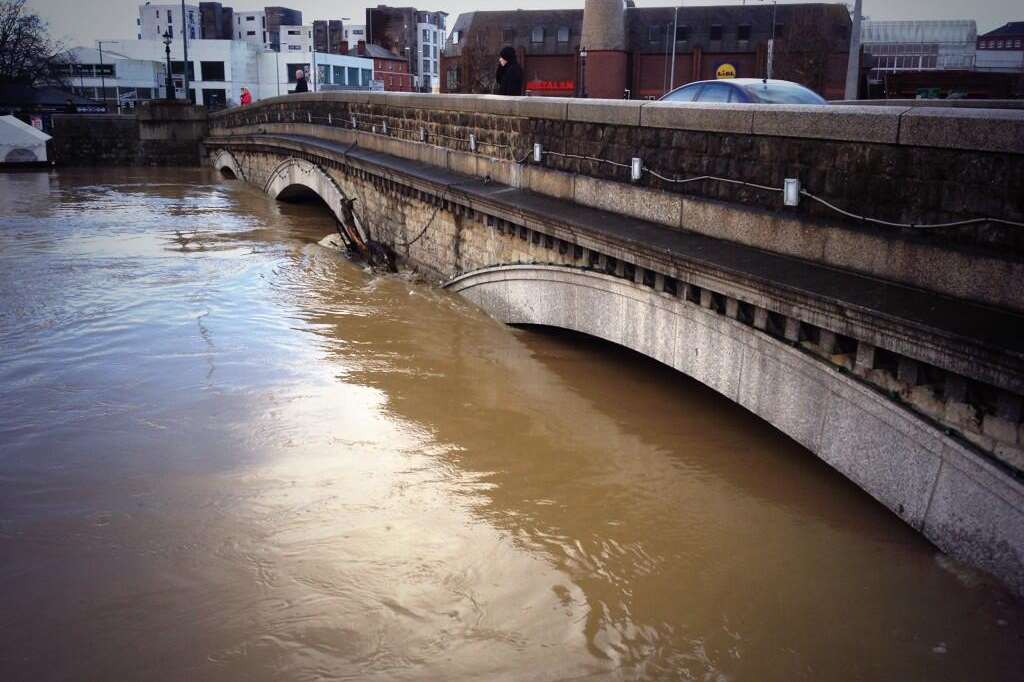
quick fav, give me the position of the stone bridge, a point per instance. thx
(874, 314)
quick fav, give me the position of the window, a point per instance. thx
(292, 68)
(212, 71)
(743, 33)
(293, 48)
(426, 50)
(250, 33)
(138, 22)
(353, 76)
(170, 31)
(250, 18)
(453, 78)
(716, 92)
(239, 35)
(563, 34)
(687, 93)
(537, 35)
(435, 51)
(292, 32)
(169, 16)
(214, 98)
(339, 75)
(176, 69)
(426, 35)
(683, 33)
(426, 66)
(455, 37)
(508, 35)
(716, 32)
(367, 77)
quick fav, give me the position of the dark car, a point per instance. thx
(744, 91)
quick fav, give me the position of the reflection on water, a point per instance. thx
(226, 453)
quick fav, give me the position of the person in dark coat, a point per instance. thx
(510, 74)
(300, 82)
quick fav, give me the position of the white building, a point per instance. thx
(1002, 49)
(135, 70)
(296, 39)
(354, 33)
(430, 35)
(251, 26)
(893, 46)
(113, 77)
(154, 20)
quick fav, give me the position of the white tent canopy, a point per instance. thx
(20, 142)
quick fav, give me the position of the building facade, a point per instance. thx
(898, 47)
(353, 33)
(215, 21)
(390, 70)
(412, 34)
(328, 35)
(1002, 49)
(642, 53)
(135, 70)
(296, 39)
(156, 19)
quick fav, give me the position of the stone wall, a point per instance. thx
(987, 268)
(914, 165)
(94, 140)
(161, 134)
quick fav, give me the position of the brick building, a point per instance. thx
(413, 34)
(388, 67)
(631, 48)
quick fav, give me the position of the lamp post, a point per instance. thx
(583, 72)
(103, 79)
(184, 48)
(169, 85)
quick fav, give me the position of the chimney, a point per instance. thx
(344, 47)
(604, 39)
(361, 47)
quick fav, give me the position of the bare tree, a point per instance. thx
(803, 56)
(27, 55)
(477, 69)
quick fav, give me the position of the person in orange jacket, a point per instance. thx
(246, 97)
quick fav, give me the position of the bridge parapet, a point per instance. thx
(720, 171)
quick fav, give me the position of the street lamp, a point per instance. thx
(583, 72)
(169, 85)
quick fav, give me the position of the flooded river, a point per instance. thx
(226, 453)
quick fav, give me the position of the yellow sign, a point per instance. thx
(726, 71)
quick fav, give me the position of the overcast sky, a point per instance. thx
(80, 22)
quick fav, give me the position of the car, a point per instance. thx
(744, 91)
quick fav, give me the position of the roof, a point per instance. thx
(45, 96)
(15, 133)
(1013, 28)
(951, 31)
(375, 52)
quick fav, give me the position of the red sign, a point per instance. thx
(551, 85)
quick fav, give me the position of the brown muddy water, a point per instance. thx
(226, 453)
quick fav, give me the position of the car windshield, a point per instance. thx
(783, 93)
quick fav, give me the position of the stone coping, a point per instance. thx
(970, 128)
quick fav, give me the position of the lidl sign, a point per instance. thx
(726, 71)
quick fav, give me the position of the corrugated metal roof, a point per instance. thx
(955, 31)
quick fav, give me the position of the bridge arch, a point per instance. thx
(225, 162)
(957, 499)
(293, 176)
